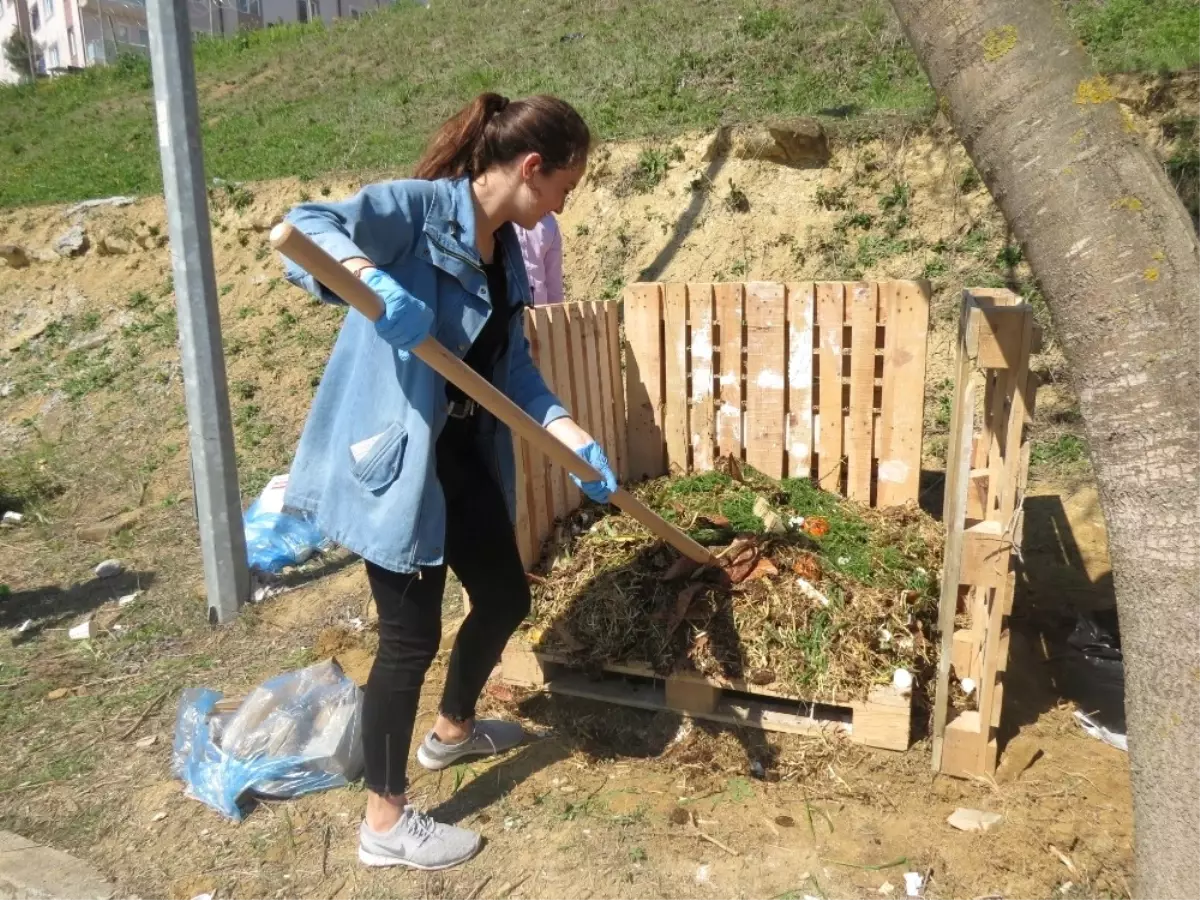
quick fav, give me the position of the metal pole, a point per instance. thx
(206, 392)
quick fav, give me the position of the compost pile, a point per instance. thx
(817, 597)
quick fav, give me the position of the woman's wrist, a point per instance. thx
(359, 266)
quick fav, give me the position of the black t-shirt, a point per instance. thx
(492, 341)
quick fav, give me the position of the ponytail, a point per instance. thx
(492, 131)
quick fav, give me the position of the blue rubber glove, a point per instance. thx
(598, 491)
(406, 321)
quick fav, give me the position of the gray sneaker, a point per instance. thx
(418, 842)
(489, 736)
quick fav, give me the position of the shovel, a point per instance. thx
(299, 248)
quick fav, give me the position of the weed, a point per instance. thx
(245, 312)
(737, 201)
(637, 855)
(861, 220)
(582, 230)
(758, 24)
(831, 198)
(225, 289)
(243, 390)
(1010, 256)
(613, 287)
(897, 198)
(1064, 451)
(739, 268)
(138, 300)
(649, 170)
(287, 318)
(969, 180)
(252, 430)
(935, 268)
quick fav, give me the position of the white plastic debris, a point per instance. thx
(968, 686)
(81, 632)
(914, 883)
(128, 598)
(796, 521)
(886, 889)
(356, 624)
(1098, 731)
(843, 560)
(25, 626)
(702, 874)
(158, 817)
(973, 819)
(12, 517)
(807, 589)
(902, 680)
(885, 636)
(109, 568)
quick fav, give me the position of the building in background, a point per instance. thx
(70, 34)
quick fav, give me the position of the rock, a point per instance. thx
(1021, 753)
(58, 693)
(799, 142)
(111, 245)
(72, 242)
(147, 742)
(11, 517)
(109, 568)
(81, 632)
(15, 256)
(92, 204)
(106, 528)
(974, 819)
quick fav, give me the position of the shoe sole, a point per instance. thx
(436, 765)
(375, 860)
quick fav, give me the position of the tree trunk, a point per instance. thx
(1114, 251)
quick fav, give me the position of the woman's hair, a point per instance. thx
(491, 130)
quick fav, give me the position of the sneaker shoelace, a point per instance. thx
(419, 824)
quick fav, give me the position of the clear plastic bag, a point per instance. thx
(294, 734)
(275, 538)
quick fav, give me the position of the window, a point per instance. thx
(35, 18)
(94, 51)
(52, 56)
(122, 35)
(49, 10)
(302, 10)
(71, 48)
(143, 37)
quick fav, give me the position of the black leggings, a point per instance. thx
(482, 551)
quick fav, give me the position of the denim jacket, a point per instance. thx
(365, 467)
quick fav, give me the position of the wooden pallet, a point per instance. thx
(884, 720)
(804, 379)
(987, 464)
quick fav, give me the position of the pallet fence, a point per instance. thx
(823, 380)
(986, 468)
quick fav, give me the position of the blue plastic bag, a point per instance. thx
(274, 538)
(294, 734)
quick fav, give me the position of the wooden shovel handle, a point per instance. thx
(301, 249)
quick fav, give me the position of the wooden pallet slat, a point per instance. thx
(579, 369)
(675, 340)
(766, 377)
(831, 310)
(902, 410)
(644, 381)
(799, 432)
(703, 433)
(618, 388)
(541, 508)
(521, 526)
(608, 389)
(591, 345)
(883, 720)
(729, 315)
(863, 303)
(545, 357)
(560, 350)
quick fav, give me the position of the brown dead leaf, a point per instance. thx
(762, 677)
(683, 602)
(58, 693)
(680, 568)
(713, 521)
(762, 569)
(730, 466)
(501, 692)
(740, 559)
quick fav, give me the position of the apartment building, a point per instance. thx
(77, 33)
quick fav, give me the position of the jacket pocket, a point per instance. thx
(376, 461)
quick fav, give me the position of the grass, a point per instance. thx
(303, 100)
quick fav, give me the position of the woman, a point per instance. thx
(541, 248)
(402, 468)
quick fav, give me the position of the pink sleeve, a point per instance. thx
(554, 262)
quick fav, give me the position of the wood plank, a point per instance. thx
(863, 303)
(903, 408)
(704, 435)
(831, 307)
(957, 472)
(611, 311)
(799, 432)
(541, 504)
(580, 373)
(884, 720)
(729, 416)
(521, 526)
(543, 330)
(591, 350)
(561, 351)
(609, 388)
(644, 381)
(675, 415)
(766, 377)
